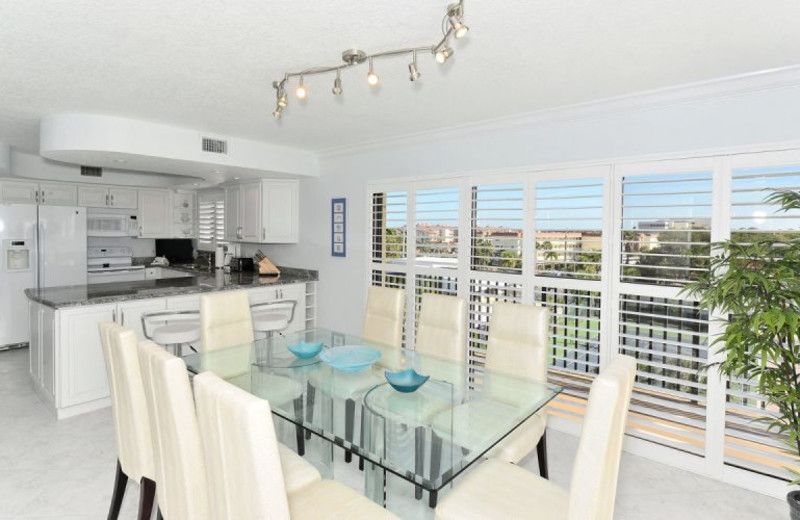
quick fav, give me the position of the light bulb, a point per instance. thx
(459, 29)
(372, 78)
(300, 92)
(444, 54)
(337, 85)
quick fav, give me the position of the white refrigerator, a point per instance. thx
(42, 246)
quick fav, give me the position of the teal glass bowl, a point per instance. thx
(406, 381)
(305, 350)
(350, 358)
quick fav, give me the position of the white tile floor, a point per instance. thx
(64, 469)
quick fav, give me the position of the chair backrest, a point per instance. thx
(241, 452)
(518, 340)
(128, 402)
(442, 327)
(594, 475)
(180, 470)
(225, 320)
(383, 321)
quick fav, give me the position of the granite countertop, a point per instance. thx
(201, 281)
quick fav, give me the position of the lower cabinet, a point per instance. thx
(66, 357)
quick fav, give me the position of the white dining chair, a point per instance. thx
(226, 320)
(242, 456)
(518, 345)
(442, 327)
(131, 421)
(498, 489)
(383, 319)
(181, 475)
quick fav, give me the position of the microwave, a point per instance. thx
(112, 225)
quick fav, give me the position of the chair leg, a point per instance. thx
(147, 496)
(120, 482)
(349, 426)
(160, 517)
(310, 397)
(299, 431)
(541, 454)
(419, 457)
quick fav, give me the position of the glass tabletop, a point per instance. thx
(426, 437)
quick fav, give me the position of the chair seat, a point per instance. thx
(498, 489)
(329, 500)
(297, 471)
(267, 322)
(178, 332)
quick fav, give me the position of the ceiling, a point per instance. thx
(209, 65)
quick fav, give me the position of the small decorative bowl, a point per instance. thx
(350, 358)
(405, 381)
(305, 350)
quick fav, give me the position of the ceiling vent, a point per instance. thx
(91, 171)
(211, 145)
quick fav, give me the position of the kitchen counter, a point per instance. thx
(201, 281)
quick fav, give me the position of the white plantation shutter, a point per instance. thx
(497, 222)
(389, 227)
(211, 220)
(483, 293)
(437, 216)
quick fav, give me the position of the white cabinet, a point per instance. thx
(264, 212)
(19, 192)
(23, 192)
(129, 314)
(105, 197)
(280, 211)
(58, 194)
(155, 219)
(81, 368)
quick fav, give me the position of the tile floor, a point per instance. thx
(64, 469)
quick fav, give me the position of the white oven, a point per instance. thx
(105, 224)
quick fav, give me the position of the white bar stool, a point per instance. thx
(172, 329)
(272, 317)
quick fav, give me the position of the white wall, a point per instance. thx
(764, 116)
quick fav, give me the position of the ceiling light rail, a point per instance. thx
(452, 27)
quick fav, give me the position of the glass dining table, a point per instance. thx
(427, 437)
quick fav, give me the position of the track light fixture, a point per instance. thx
(452, 27)
(337, 85)
(372, 78)
(413, 73)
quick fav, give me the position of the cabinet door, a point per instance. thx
(251, 212)
(19, 192)
(154, 214)
(122, 198)
(129, 314)
(280, 211)
(232, 207)
(58, 194)
(81, 367)
(92, 196)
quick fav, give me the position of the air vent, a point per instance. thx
(215, 145)
(91, 171)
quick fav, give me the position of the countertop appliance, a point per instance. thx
(242, 263)
(113, 264)
(42, 246)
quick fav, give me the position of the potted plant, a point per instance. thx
(757, 285)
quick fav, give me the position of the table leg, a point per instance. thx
(299, 433)
(349, 426)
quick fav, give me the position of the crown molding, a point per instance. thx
(730, 86)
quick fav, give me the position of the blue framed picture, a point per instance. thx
(339, 227)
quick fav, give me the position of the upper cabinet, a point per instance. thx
(103, 197)
(155, 214)
(24, 192)
(265, 212)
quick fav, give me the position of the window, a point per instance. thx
(496, 221)
(437, 215)
(389, 231)
(483, 293)
(211, 220)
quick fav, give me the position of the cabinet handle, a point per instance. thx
(112, 200)
(107, 204)
(263, 233)
(122, 318)
(140, 231)
(42, 192)
(114, 315)
(36, 196)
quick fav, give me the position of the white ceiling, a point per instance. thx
(208, 65)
